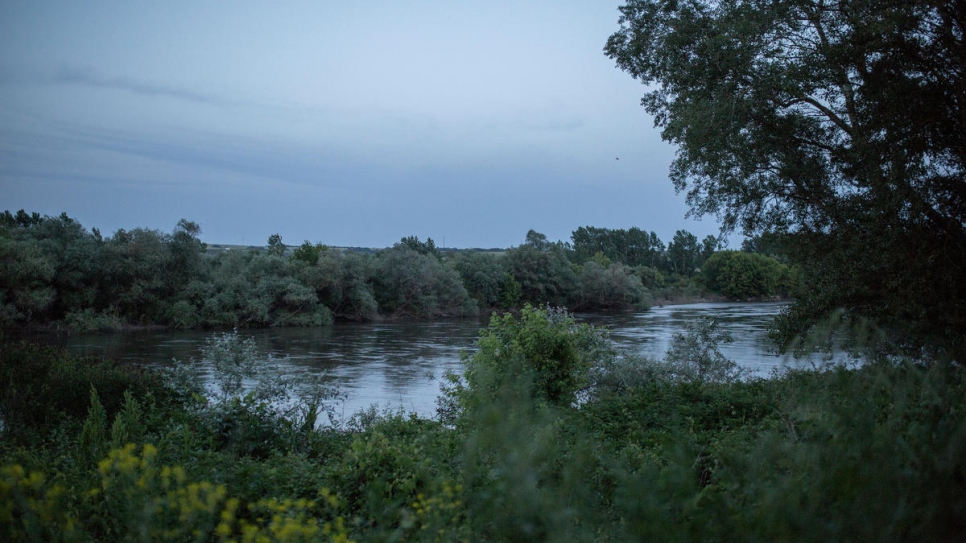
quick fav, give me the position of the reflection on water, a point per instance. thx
(389, 364)
(400, 364)
(649, 333)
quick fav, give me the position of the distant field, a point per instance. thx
(214, 248)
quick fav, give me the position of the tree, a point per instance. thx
(544, 350)
(537, 240)
(186, 252)
(427, 247)
(683, 252)
(709, 245)
(408, 283)
(743, 275)
(542, 270)
(308, 253)
(483, 275)
(612, 287)
(840, 125)
(344, 285)
(632, 247)
(275, 245)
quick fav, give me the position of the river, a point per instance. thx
(399, 364)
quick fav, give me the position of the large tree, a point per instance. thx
(840, 125)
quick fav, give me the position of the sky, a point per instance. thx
(344, 123)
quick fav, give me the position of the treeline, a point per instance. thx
(55, 271)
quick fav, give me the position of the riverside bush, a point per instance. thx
(42, 387)
(253, 408)
(545, 348)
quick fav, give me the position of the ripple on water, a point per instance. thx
(391, 363)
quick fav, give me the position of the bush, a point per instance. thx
(483, 275)
(409, 283)
(41, 387)
(545, 348)
(608, 288)
(253, 408)
(87, 320)
(694, 354)
(741, 275)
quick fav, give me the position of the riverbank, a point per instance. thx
(644, 457)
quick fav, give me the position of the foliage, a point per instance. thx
(837, 125)
(485, 277)
(186, 252)
(88, 321)
(742, 275)
(651, 278)
(632, 247)
(694, 354)
(32, 509)
(425, 248)
(253, 408)
(545, 348)
(40, 387)
(55, 273)
(275, 245)
(255, 289)
(542, 270)
(511, 292)
(876, 453)
(138, 500)
(309, 253)
(613, 287)
(408, 282)
(683, 253)
(235, 360)
(342, 283)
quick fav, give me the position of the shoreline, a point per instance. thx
(484, 315)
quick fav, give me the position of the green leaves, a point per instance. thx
(742, 275)
(544, 351)
(838, 124)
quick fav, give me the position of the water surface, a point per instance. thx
(399, 364)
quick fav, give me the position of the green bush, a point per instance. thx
(694, 354)
(545, 348)
(608, 287)
(741, 275)
(87, 320)
(41, 387)
(483, 275)
(409, 283)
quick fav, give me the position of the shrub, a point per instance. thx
(545, 348)
(87, 320)
(611, 287)
(409, 283)
(741, 275)
(40, 387)
(694, 354)
(253, 407)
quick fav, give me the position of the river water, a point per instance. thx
(399, 364)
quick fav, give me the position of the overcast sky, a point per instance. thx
(345, 123)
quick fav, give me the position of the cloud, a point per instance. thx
(90, 78)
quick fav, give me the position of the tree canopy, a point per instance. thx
(840, 125)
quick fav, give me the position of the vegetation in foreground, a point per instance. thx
(548, 436)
